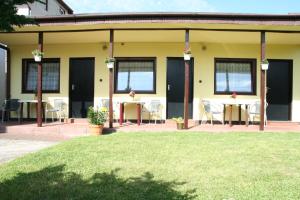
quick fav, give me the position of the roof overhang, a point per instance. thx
(159, 27)
(219, 18)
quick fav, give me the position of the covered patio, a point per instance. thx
(159, 40)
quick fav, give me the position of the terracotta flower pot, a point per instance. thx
(180, 126)
(96, 129)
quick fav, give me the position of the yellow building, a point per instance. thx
(148, 47)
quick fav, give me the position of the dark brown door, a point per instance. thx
(279, 95)
(81, 86)
(175, 87)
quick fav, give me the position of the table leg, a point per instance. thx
(230, 115)
(28, 110)
(121, 113)
(138, 110)
(224, 113)
(36, 110)
(240, 114)
(43, 109)
(21, 112)
(247, 115)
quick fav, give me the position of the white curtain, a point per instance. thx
(233, 77)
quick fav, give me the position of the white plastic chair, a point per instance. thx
(254, 112)
(211, 109)
(155, 110)
(58, 109)
(104, 103)
(146, 111)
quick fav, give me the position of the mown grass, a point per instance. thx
(156, 166)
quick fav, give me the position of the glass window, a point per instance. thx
(235, 75)
(135, 74)
(44, 3)
(50, 79)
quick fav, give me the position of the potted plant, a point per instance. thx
(234, 95)
(97, 118)
(179, 122)
(132, 94)
(265, 64)
(110, 62)
(187, 54)
(37, 54)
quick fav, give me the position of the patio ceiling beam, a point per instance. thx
(262, 83)
(186, 82)
(156, 29)
(39, 82)
(111, 75)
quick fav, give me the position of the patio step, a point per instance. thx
(49, 130)
(172, 122)
(78, 120)
(281, 123)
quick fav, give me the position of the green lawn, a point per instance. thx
(137, 166)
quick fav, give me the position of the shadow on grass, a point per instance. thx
(55, 183)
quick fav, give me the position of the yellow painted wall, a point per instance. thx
(204, 68)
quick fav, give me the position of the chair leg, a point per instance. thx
(19, 117)
(52, 117)
(58, 117)
(265, 120)
(222, 120)
(8, 115)
(46, 117)
(3, 114)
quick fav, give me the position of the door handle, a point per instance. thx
(169, 87)
(73, 87)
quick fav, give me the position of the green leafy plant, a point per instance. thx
(97, 117)
(187, 51)
(178, 120)
(37, 52)
(9, 18)
(109, 60)
(265, 61)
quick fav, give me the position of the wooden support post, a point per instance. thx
(111, 79)
(186, 83)
(39, 84)
(262, 83)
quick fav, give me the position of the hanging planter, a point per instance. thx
(265, 64)
(37, 55)
(110, 62)
(187, 54)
